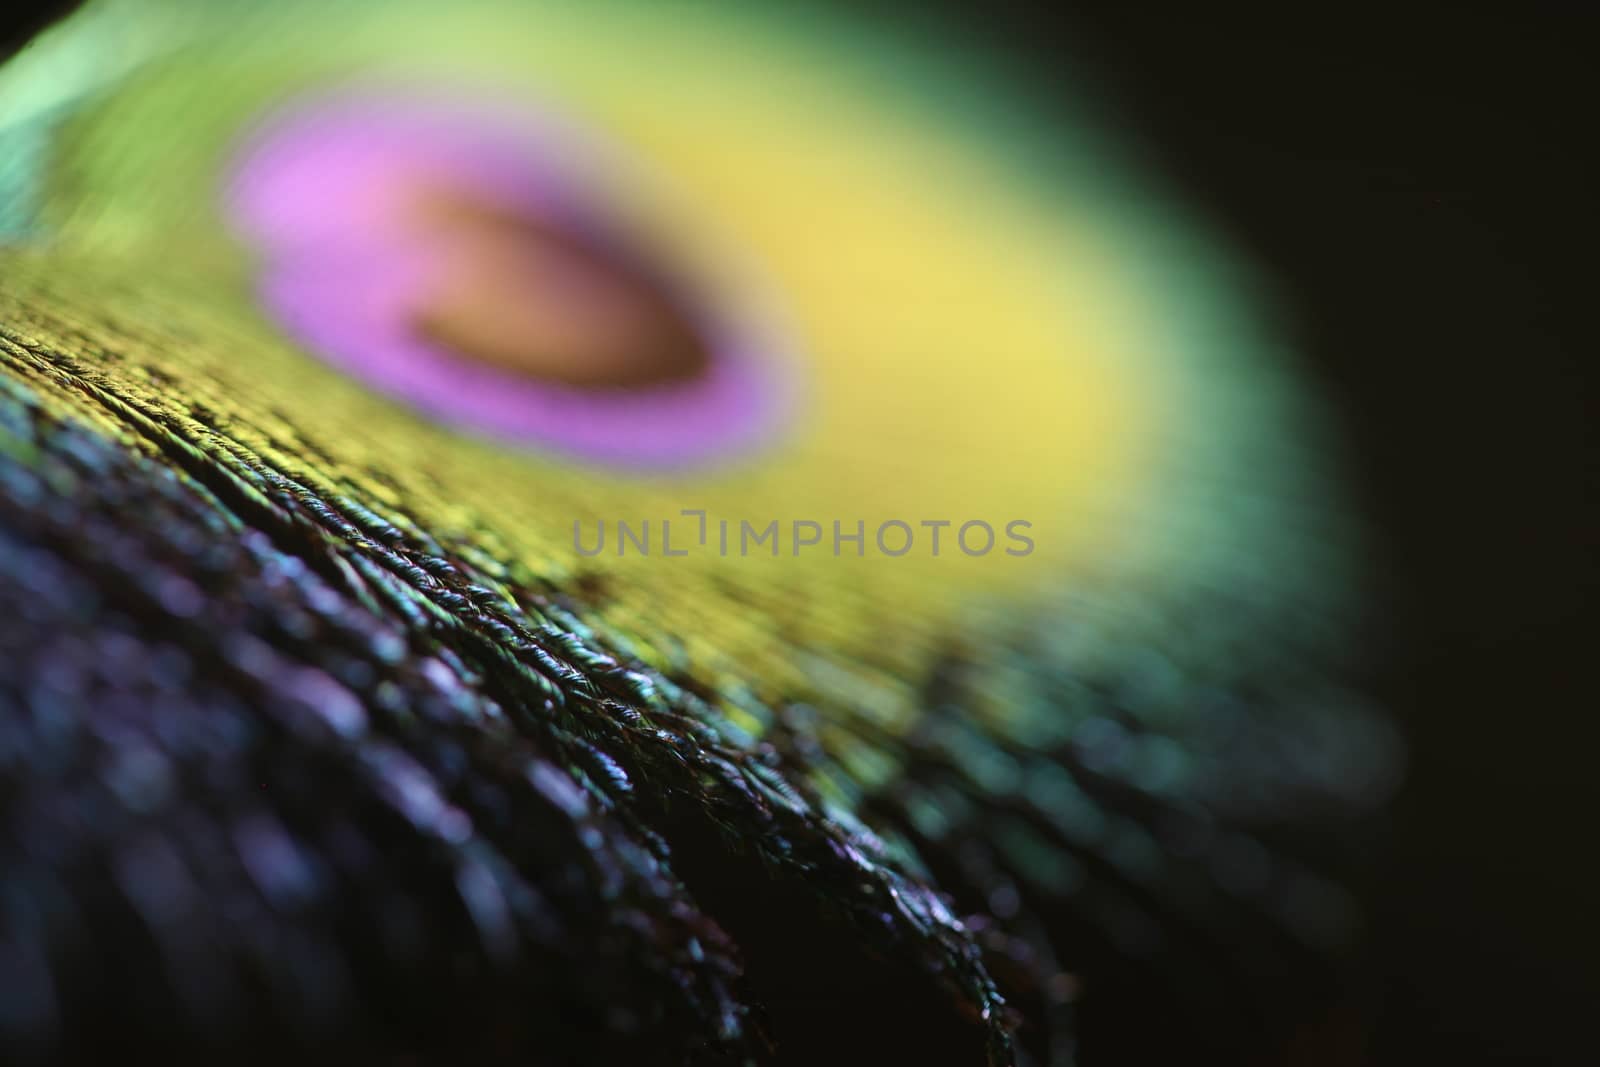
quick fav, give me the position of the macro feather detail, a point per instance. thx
(322, 731)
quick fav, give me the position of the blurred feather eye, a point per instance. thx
(446, 252)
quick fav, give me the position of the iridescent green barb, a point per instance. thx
(378, 726)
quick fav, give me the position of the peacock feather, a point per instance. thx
(619, 532)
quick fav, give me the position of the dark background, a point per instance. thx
(1414, 182)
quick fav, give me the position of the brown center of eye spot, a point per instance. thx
(528, 295)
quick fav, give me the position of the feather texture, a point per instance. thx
(323, 729)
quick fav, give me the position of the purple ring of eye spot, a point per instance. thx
(319, 193)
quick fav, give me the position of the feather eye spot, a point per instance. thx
(451, 254)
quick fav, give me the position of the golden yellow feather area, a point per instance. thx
(961, 337)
